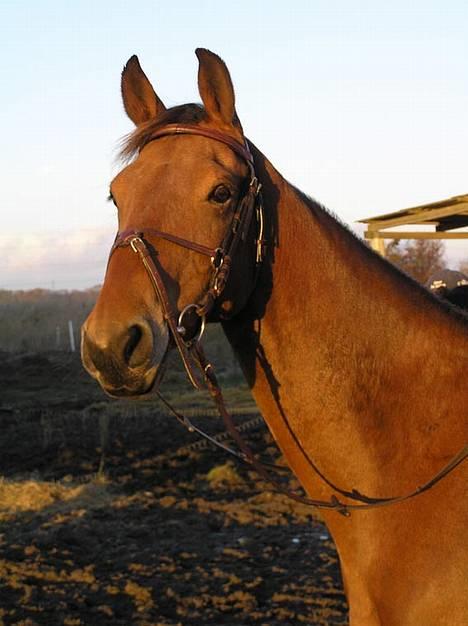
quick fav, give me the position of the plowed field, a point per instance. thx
(110, 515)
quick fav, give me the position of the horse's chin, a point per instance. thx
(139, 387)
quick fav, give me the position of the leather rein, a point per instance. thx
(190, 349)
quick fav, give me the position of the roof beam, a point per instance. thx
(452, 222)
(395, 234)
(420, 217)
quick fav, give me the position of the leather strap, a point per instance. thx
(187, 129)
(139, 246)
(122, 237)
(364, 503)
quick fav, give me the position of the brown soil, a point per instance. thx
(107, 517)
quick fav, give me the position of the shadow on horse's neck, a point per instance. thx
(338, 347)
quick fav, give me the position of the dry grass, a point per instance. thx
(19, 496)
(224, 476)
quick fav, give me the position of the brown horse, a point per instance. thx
(351, 363)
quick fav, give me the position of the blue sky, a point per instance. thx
(363, 105)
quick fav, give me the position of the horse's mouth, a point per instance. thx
(142, 387)
(119, 382)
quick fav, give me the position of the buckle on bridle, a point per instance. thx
(255, 186)
(217, 258)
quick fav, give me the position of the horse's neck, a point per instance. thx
(342, 355)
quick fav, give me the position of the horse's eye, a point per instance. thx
(110, 198)
(221, 194)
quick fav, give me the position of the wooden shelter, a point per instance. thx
(446, 216)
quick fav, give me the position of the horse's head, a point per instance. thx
(180, 189)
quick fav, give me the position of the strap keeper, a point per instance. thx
(134, 241)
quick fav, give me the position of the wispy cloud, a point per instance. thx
(77, 259)
(59, 260)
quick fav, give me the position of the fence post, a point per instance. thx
(57, 337)
(72, 337)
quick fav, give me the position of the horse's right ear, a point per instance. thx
(140, 101)
(215, 86)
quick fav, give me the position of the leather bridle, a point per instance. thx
(221, 257)
(189, 347)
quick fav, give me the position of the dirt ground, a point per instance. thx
(109, 514)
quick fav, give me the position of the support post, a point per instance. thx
(377, 244)
(72, 336)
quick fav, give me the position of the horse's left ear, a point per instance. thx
(215, 86)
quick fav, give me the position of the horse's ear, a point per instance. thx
(215, 86)
(140, 101)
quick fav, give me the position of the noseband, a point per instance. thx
(221, 257)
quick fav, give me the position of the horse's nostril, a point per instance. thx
(135, 333)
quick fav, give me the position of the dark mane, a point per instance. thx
(132, 143)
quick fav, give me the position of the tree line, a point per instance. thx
(38, 319)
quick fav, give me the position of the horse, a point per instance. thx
(358, 371)
(451, 285)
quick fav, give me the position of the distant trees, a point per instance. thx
(463, 266)
(420, 258)
(38, 319)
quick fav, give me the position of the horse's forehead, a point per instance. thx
(183, 156)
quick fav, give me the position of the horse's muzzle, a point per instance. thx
(125, 361)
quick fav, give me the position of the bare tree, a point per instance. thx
(419, 258)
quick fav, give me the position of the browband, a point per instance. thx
(187, 129)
